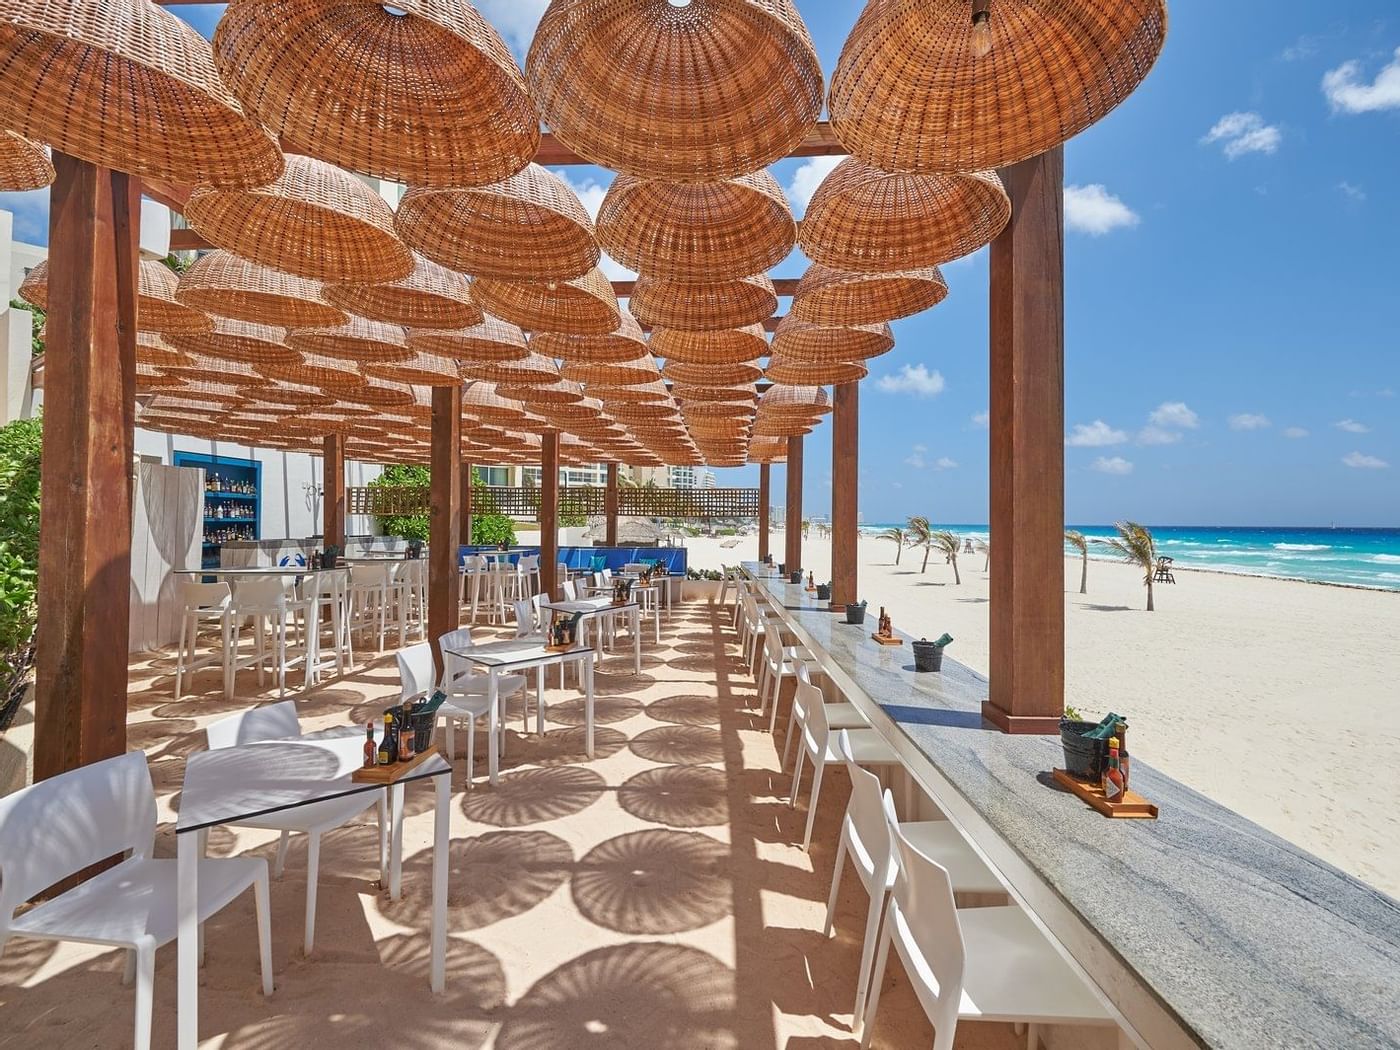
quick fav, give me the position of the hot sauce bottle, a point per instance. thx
(1113, 786)
(371, 748)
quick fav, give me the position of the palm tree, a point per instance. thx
(920, 534)
(1134, 544)
(897, 535)
(949, 544)
(1078, 541)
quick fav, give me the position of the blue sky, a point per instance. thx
(1232, 342)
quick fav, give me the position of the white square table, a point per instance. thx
(595, 607)
(522, 654)
(653, 589)
(231, 784)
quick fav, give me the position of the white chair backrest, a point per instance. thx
(606, 574)
(62, 825)
(270, 722)
(330, 584)
(570, 590)
(562, 570)
(773, 648)
(375, 574)
(529, 563)
(263, 592)
(204, 595)
(461, 638)
(473, 562)
(524, 617)
(923, 892)
(410, 571)
(815, 728)
(537, 606)
(865, 813)
(598, 580)
(416, 671)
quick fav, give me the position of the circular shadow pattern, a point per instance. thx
(622, 681)
(620, 661)
(709, 648)
(565, 746)
(679, 745)
(654, 882)
(491, 877)
(606, 709)
(624, 997)
(165, 737)
(710, 664)
(532, 796)
(687, 709)
(471, 969)
(677, 796)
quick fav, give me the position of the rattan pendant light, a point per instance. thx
(126, 85)
(623, 343)
(581, 306)
(24, 165)
(723, 347)
(839, 297)
(864, 219)
(356, 340)
(314, 221)
(635, 372)
(242, 341)
(697, 231)
(424, 369)
(791, 370)
(222, 283)
(969, 85)
(708, 307)
(432, 296)
(683, 90)
(491, 340)
(803, 341)
(531, 225)
(331, 374)
(684, 373)
(424, 91)
(157, 309)
(153, 350)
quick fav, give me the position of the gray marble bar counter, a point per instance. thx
(1200, 928)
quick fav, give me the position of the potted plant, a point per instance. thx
(855, 612)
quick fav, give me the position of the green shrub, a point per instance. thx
(488, 527)
(20, 446)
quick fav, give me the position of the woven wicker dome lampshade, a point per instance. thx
(356, 340)
(126, 85)
(490, 340)
(314, 221)
(691, 91)
(153, 350)
(241, 341)
(623, 343)
(912, 93)
(870, 221)
(222, 283)
(330, 374)
(157, 309)
(580, 306)
(803, 341)
(790, 370)
(425, 92)
(424, 369)
(528, 226)
(840, 297)
(703, 307)
(684, 373)
(24, 165)
(794, 399)
(723, 347)
(697, 231)
(432, 296)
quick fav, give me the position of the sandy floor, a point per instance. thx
(1279, 699)
(649, 898)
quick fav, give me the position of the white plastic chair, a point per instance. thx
(841, 715)
(410, 586)
(271, 602)
(204, 603)
(279, 722)
(865, 840)
(570, 590)
(974, 964)
(370, 591)
(62, 825)
(779, 662)
(329, 592)
(867, 748)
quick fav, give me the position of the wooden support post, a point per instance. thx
(765, 471)
(466, 486)
(610, 507)
(792, 528)
(84, 594)
(845, 485)
(1027, 637)
(549, 513)
(333, 491)
(444, 515)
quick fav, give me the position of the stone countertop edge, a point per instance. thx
(1246, 939)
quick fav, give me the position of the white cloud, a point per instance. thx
(944, 463)
(515, 20)
(1356, 193)
(1095, 435)
(1174, 414)
(31, 211)
(1248, 421)
(1361, 461)
(915, 459)
(896, 484)
(1112, 465)
(1303, 47)
(1241, 133)
(913, 379)
(1295, 432)
(1158, 436)
(982, 419)
(1351, 426)
(920, 448)
(1095, 211)
(1348, 93)
(590, 194)
(807, 178)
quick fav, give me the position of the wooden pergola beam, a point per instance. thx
(765, 485)
(444, 516)
(792, 520)
(845, 485)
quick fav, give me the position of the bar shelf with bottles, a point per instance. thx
(232, 500)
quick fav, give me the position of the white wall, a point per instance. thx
(15, 325)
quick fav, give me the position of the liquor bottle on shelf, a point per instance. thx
(371, 749)
(388, 744)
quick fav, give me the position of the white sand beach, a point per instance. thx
(1274, 697)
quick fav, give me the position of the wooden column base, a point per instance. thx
(1020, 725)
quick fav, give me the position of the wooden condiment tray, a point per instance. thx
(561, 648)
(887, 641)
(393, 773)
(1133, 806)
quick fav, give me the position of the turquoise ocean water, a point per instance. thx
(1360, 557)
